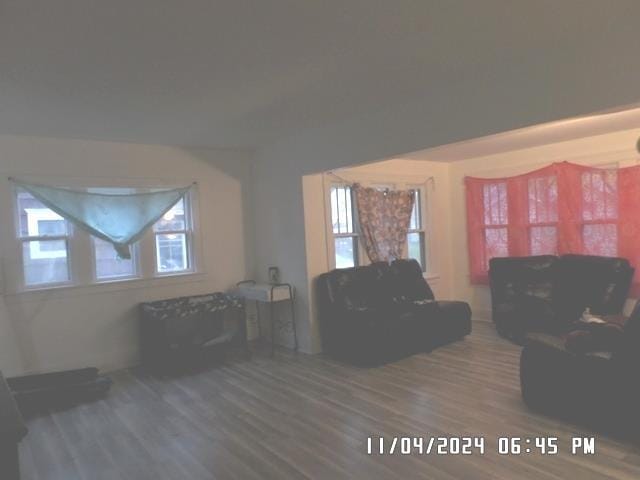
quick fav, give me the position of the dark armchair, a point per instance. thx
(598, 387)
(547, 293)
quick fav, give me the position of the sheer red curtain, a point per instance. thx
(558, 209)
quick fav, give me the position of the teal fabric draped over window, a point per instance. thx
(120, 219)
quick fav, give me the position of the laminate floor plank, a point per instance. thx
(297, 416)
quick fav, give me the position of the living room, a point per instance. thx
(198, 275)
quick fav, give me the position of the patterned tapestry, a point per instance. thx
(384, 218)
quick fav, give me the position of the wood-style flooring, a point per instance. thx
(301, 416)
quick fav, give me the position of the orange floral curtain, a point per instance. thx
(384, 218)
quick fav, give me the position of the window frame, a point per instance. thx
(420, 230)
(23, 240)
(135, 257)
(81, 254)
(605, 220)
(354, 235)
(390, 181)
(135, 248)
(549, 223)
(495, 226)
(187, 231)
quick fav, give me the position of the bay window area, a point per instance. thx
(344, 242)
(55, 253)
(562, 208)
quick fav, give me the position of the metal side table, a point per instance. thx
(270, 293)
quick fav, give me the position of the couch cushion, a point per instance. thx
(408, 283)
(588, 281)
(516, 276)
(342, 289)
(360, 287)
(522, 294)
(441, 322)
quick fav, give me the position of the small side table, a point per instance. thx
(270, 293)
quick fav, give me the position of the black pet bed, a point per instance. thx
(58, 390)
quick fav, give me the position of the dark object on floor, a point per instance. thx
(597, 388)
(378, 313)
(34, 393)
(184, 332)
(547, 293)
(12, 431)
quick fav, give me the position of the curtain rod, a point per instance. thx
(430, 178)
(14, 179)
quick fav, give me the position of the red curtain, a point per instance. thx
(562, 208)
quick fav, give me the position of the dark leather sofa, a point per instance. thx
(548, 293)
(382, 312)
(598, 388)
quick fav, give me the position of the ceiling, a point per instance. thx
(601, 123)
(244, 73)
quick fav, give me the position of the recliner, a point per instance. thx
(598, 388)
(546, 293)
(382, 312)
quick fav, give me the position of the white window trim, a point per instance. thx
(135, 257)
(19, 240)
(393, 181)
(81, 254)
(34, 216)
(187, 232)
(331, 252)
(424, 236)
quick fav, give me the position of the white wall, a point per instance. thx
(97, 325)
(618, 147)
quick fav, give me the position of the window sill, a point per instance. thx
(105, 286)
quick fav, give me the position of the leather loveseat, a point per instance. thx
(548, 293)
(382, 312)
(598, 387)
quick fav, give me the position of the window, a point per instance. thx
(172, 238)
(111, 267)
(495, 221)
(543, 215)
(415, 236)
(108, 266)
(345, 238)
(51, 253)
(600, 212)
(44, 237)
(561, 208)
